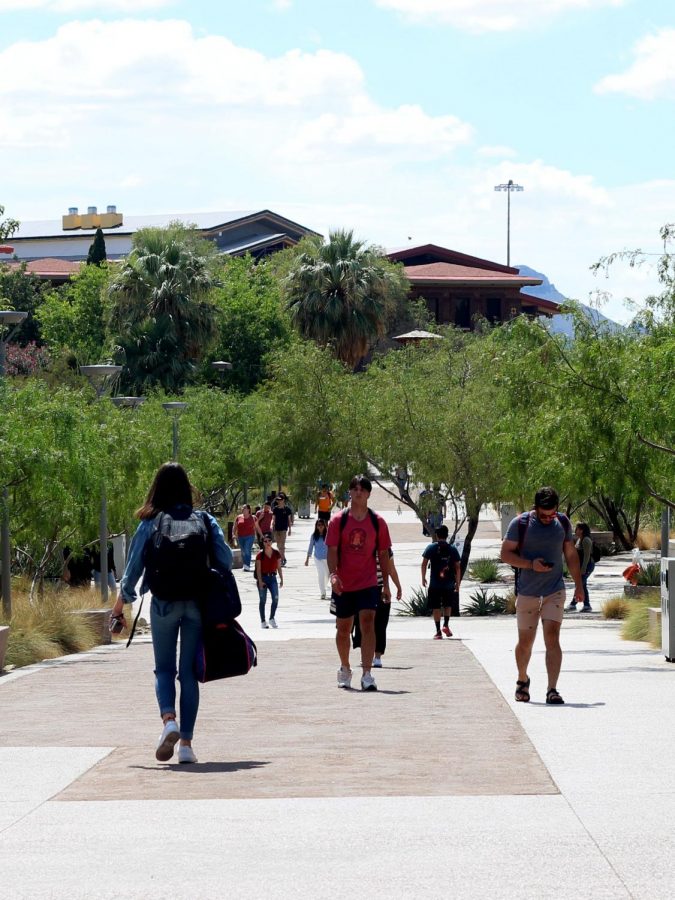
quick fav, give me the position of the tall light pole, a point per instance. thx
(174, 409)
(9, 318)
(101, 379)
(509, 187)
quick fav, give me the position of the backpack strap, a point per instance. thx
(133, 627)
(523, 524)
(344, 515)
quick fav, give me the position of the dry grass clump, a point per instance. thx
(48, 628)
(648, 539)
(510, 603)
(615, 608)
(636, 624)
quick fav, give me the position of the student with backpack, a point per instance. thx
(588, 556)
(173, 549)
(444, 580)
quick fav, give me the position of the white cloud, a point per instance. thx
(75, 6)
(282, 5)
(489, 15)
(497, 151)
(653, 72)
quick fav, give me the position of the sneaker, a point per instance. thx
(587, 607)
(438, 637)
(167, 741)
(246, 568)
(264, 625)
(323, 596)
(446, 631)
(186, 755)
(368, 682)
(572, 607)
(377, 663)
(273, 623)
(344, 677)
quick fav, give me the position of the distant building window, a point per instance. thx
(462, 312)
(493, 309)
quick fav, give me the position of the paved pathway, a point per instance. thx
(439, 785)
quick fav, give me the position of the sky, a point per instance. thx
(394, 118)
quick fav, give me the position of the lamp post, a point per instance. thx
(101, 378)
(509, 187)
(174, 409)
(11, 319)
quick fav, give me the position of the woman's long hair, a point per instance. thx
(170, 487)
(320, 534)
(585, 529)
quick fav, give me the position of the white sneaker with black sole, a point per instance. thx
(344, 677)
(368, 682)
(186, 755)
(167, 741)
(273, 623)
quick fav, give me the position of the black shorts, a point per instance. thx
(439, 598)
(350, 603)
(323, 516)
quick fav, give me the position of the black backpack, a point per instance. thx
(177, 557)
(445, 570)
(596, 553)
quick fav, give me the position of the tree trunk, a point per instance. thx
(473, 506)
(615, 518)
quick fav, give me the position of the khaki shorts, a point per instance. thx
(530, 609)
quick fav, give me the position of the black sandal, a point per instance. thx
(553, 698)
(523, 691)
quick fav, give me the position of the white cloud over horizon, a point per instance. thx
(488, 15)
(652, 74)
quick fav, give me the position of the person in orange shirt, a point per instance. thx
(325, 501)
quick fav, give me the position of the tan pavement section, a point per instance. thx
(437, 727)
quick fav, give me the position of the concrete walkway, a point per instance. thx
(439, 785)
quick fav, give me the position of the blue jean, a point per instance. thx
(168, 619)
(246, 544)
(584, 581)
(269, 582)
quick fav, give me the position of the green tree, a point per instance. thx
(20, 290)
(97, 252)
(343, 294)
(251, 322)
(162, 319)
(7, 226)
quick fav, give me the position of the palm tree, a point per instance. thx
(161, 313)
(342, 293)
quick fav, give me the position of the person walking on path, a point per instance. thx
(319, 548)
(95, 554)
(356, 537)
(381, 614)
(283, 522)
(264, 521)
(244, 533)
(173, 575)
(444, 580)
(267, 567)
(534, 545)
(584, 547)
(325, 501)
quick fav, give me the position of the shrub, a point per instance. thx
(649, 539)
(649, 575)
(636, 624)
(481, 603)
(415, 605)
(615, 608)
(484, 570)
(509, 601)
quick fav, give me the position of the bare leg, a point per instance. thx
(524, 651)
(343, 636)
(367, 623)
(553, 651)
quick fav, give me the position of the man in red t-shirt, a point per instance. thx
(357, 538)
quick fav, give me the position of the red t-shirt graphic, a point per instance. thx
(357, 566)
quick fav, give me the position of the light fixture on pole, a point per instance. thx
(127, 402)
(174, 409)
(220, 365)
(102, 378)
(9, 318)
(509, 187)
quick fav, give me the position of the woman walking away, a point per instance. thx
(317, 546)
(244, 532)
(267, 567)
(381, 614)
(172, 549)
(584, 546)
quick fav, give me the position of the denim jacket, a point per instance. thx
(221, 555)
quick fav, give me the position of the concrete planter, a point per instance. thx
(4, 635)
(99, 620)
(637, 590)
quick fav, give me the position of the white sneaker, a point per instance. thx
(167, 741)
(246, 568)
(377, 663)
(368, 682)
(273, 623)
(344, 677)
(264, 625)
(186, 755)
(323, 596)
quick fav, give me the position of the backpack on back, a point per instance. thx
(373, 518)
(177, 557)
(596, 553)
(444, 556)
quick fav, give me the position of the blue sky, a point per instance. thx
(393, 117)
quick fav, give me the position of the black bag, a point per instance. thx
(176, 557)
(224, 651)
(596, 553)
(221, 601)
